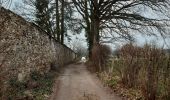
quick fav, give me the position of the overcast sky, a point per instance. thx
(140, 39)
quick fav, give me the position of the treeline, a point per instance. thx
(56, 17)
(145, 68)
(101, 20)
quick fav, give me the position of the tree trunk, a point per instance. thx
(96, 58)
(57, 22)
(62, 22)
(96, 31)
(88, 30)
(96, 22)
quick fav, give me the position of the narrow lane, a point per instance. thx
(77, 83)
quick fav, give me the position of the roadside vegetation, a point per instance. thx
(135, 72)
(38, 87)
(99, 59)
(138, 73)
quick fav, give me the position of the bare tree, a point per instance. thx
(5, 3)
(38, 11)
(62, 21)
(119, 18)
(57, 20)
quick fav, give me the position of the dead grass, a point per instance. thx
(144, 69)
(115, 83)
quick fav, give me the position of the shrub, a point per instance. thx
(145, 68)
(100, 56)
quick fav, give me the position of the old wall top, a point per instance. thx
(6, 12)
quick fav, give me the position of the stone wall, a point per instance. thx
(25, 48)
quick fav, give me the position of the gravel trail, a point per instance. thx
(77, 83)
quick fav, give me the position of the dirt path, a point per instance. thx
(76, 83)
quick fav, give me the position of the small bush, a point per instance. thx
(100, 56)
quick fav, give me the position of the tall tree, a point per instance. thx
(62, 21)
(43, 15)
(122, 17)
(57, 20)
(65, 18)
(60, 15)
(39, 12)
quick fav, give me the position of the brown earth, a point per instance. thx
(77, 83)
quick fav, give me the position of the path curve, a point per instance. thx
(77, 83)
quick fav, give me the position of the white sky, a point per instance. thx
(140, 39)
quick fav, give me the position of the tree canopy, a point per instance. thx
(121, 16)
(121, 19)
